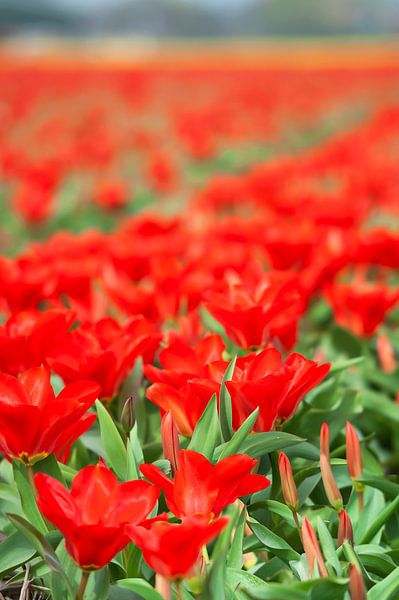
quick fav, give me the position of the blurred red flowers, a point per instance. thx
(34, 423)
(105, 351)
(93, 515)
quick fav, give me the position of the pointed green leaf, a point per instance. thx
(225, 410)
(206, 434)
(114, 447)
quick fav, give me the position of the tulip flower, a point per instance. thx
(312, 549)
(105, 352)
(333, 494)
(127, 415)
(92, 516)
(170, 440)
(189, 378)
(345, 529)
(201, 488)
(34, 423)
(30, 337)
(361, 306)
(325, 440)
(255, 315)
(172, 549)
(290, 493)
(354, 460)
(386, 354)
(357, 588)
(274, 385)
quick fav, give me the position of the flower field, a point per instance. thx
(199, 334)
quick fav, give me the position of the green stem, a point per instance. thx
(179, 591)
(31, 478)
(82, 586)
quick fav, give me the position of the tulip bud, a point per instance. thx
(288, 486)
(386, 354)
(312, 549)
(127, 416)
(331, 488)
(170, 440)
(353, 452)
(325, 440)
(345, 530)
(357, 588)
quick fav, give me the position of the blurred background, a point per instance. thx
(198, 18)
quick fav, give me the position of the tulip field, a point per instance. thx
(199, 328)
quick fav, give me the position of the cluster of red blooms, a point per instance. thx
(249, 255)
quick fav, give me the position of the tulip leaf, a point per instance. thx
(260, 444)
(140, 587)
(28, 500)
(328, 546)
(235, 558)
(225, 409)
(113, 445)
(273, 542)
(387, 588)
(206, 434)
(41, 543)
(380, 521)
(275, 507)
(15, 550)
(234, 444)
(345, 364)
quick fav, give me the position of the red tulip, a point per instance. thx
(105, 352)
(357, 588)
(290, 492)
(254, 316)
(172, 549)
(201, 488)
(275, 386)
(93, 515)
(361, 307)
(312, 549)
(34, 423)
(189, 378)
(30, 337)
(345, 529)
(353, 452)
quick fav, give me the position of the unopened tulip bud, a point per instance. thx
(345, 530)
(127, 416)
(357, 588)
(330, 486)
(312, 549)
(386, 354)
(290, 493)
(325, 440)
(353, 452)
(170, 440)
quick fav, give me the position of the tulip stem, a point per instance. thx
(360, 500)
(31, 478)
(82, 586)
(179, 591)
(295, 515)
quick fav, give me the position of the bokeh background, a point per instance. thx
(199, 18)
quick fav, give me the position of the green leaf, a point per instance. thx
(381, 405)
(206, 434)
(387, 589)
(259, 444)
(140, 587)
(328, 546)
(234, 444)
(389, 488)
(114, 447)
(235, 555)
(41, 543)
(225, 410)
(28, 500)
(345, 364)
(15, 551)
(380, 521)
(275, 507)
(51, 467)
(273, 542)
